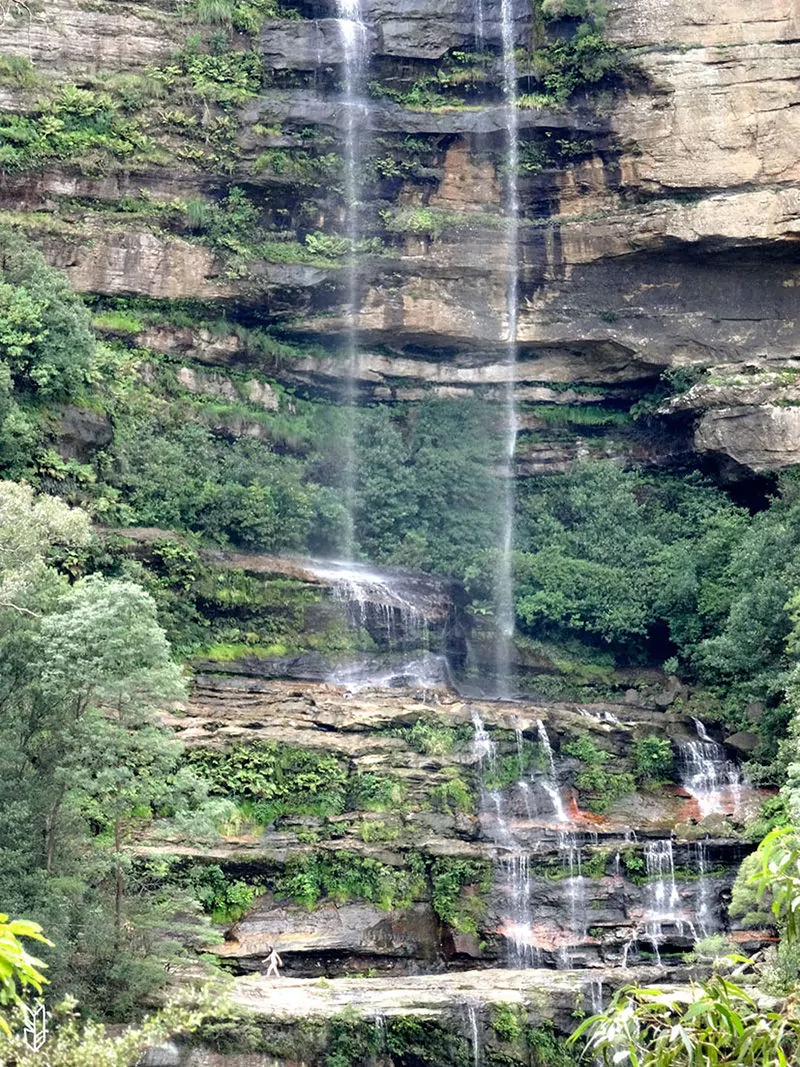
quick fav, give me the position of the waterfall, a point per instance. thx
(663, 899)
(514, 861)
(353, 38)
(570, 848)
(472, 1016)
(596, 995)
(504, 587)
(484, 749)
(708, 775)
(706, 919)
(550, 786)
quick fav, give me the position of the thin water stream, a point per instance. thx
(354, 54)
(504, 584)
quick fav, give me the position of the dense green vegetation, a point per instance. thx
(84, 762)
(667, 570)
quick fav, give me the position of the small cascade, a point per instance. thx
(570, 848)
(596, 997)
(504, 583)
(514, 860)
(663, 900)
(603, 716)
(704, 912)
(472, 1017)
(427, 674)
(398, 608)
(708, 775)
(550, 786)
(484, 749)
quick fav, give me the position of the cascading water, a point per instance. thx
(472, 1017)
(550, 786)
(354, 55)
(663, 902)
(570, 847)
(708, 775)
(377, 597)
(513, 860)
(705, 917)
(504, 584)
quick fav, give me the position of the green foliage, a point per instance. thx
(583, 748)
(458, 891)
(300, 166)
(602, 786)
(431, 737)
(506, 1022)
(225, 900)
(713, 1022)
(228, 79)
(711, 949)
(375, 792)
(578, 61)
(452, 796)
(46, 345)
(512, 766)
(19, 971)
(425, 1043)
(18, 71)
(76, 1042)
(773, 813)
(344, 877)
(352, 1041)
(653, 758)
(72, 124)
(84, 760)
(278, 779)
(547, 1050)
(243, 15)
(778, 874)
(432, 221)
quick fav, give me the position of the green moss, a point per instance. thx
(452, 796)
(510, 767)
(581, 415)
(506, 1022)
(433, 222)
(426, 1043)
(458, 891)
(376, 792)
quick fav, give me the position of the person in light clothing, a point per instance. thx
(273, 963)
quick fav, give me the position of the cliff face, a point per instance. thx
(391, 821)
(659, 214)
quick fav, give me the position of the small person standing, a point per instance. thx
(273, 963)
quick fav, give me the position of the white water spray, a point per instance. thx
(353, 37)
(550, 786)
(708, 775)
(504, 585)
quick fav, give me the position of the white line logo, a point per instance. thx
(35, 1033)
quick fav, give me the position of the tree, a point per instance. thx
(30, 526)
(85, 672)
(46, 339)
